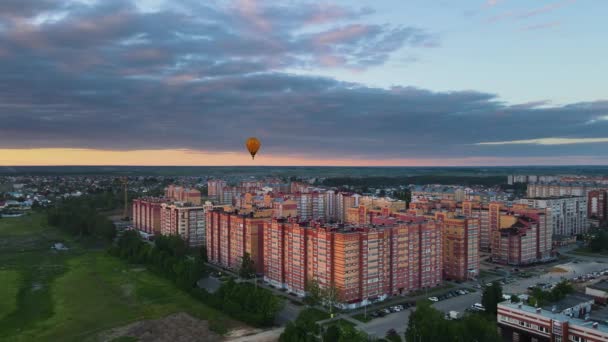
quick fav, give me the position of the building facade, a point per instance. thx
(568, 213)
(520, 322)
(364, 263)
(229, 235)
(185, 220)
(146, 214)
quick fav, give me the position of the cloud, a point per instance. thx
(549, 141)
(202, 76)
(541, 26)
(522, 15)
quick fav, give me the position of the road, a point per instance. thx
(459, 303)
(289, 313)
(573, 269)
(379, 326)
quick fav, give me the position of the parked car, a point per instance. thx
(478, 307)
(433, 299)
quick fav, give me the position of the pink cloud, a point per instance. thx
(331, 61)
(326, 13)
(541, 26)
(341, 34)
(248, 9)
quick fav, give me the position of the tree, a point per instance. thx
(514, 299)
(247, 269)
(203, 254)
(348, 333)
(331, 334)
(492, 295)
(392, 336)
(330, 297)
(313, 293)
(426, 324)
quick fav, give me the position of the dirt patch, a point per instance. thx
(558, 270)
(179, 327)
(257, 336)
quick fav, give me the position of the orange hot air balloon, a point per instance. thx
(253, 145)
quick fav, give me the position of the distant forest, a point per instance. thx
(377, 182)
(301, 171)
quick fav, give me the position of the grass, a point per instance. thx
(431, 292)
(363, 318)
(588, 251)
(74, 295)
(339, 322)
(317, 314)
(10, 281)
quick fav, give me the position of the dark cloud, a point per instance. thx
(205, 76)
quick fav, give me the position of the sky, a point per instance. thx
(383, 82)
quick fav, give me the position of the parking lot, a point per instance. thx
(572, 269)
(398, 320)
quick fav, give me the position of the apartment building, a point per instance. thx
(182, 194)
(597, 207)
(543, 190)
(215, 187)
(568, 213)
(364, 262)
(229, 235)
(146, 214)
(460, 247)
(185, 220)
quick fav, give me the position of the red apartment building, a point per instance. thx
(460, 247)
(364, 262)
(181, 194)
(230, 235)
(146, 214)
(597, 207)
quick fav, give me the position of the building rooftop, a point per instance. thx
(600, 285)
(568, 302)
(556, 316)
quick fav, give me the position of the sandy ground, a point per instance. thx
(179, 327)
(261, 336)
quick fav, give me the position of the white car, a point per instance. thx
(478, 307)
(433, 299)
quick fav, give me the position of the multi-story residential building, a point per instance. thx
(311, 205)
(185, 220)
(229, 235)
(568, 213)
(460, 247)
(597, 207)
(146, 214)
(343, 202)
(284, 208)
(181, 194)
(215, 187)
(330, 205)
(543, 190)
(363, 262)
(521, 322)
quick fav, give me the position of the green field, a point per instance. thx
(74, 295)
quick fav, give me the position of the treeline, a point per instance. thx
(599, 242)
(306, 329)
(560, 291)
(168, 257)
(80, 217)
(429, 324)
(377, 182)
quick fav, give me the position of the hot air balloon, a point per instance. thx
(253, 145)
